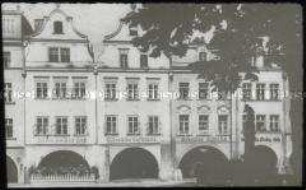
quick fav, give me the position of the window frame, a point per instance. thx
(7, 59)
(44, 126)
(260, 91)
(58, 27)
(65, 55)
(153, 91)
(203, 86)
(54, 54)
(274, 90)
(61, 90)
(184, 124)
(8, 92)
(9, 128)
(203, 122)
(123, 60)
(144, 61)
(274, 122)
(184, 90)
(247, 91)
(153, 125)
(63, 127)
(260, 119)
(111, 124)
(134, 125)
(80, 125)
(223, 125)
(59, 54)
(133, 92)
(79, 89)
(41, 90)
(110, 90)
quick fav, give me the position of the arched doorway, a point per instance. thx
(262, 163)
(206, 164)
(12, 172)
(134, 163)
(63, 162)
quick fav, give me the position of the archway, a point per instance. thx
(206, 164)
(63, 162)
(262, 163)
(134, 163)
(12, 172)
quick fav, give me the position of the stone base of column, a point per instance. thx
(285, 168)
(166, 174)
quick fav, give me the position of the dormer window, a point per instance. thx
(202, 56)
(133, 31)
(123, 55)
(58, 27)
(143, 60)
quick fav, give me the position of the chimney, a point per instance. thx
(38, 24)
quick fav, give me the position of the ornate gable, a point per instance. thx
(58, 17)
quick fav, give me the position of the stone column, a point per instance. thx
(21, 178)
(104, 168)
(26, 175)
(284, 166)
(166, 164)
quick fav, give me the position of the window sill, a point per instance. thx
(69, 63)
(153, 99)
(110, 99)
(130, 134)
(111, 134)
(183, 135)
(264, 100)
(59, 135)
(133, 100)
(10, 103)
(65, 98)
(154, 134)
(80, 135)
(41, 135)
(268, 132)
(10, 138)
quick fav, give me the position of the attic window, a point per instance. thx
(133, 31)
(202, 56)
(58, 27)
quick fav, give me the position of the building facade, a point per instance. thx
(126, 115)
(14, 28)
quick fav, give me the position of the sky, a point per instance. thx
(84, 16)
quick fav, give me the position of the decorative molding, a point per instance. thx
(152, 78)
(204, 109)
(184, 108)
(223, 110)
(41, 77)
(79, 77)
(110, 78)
(60, 77)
